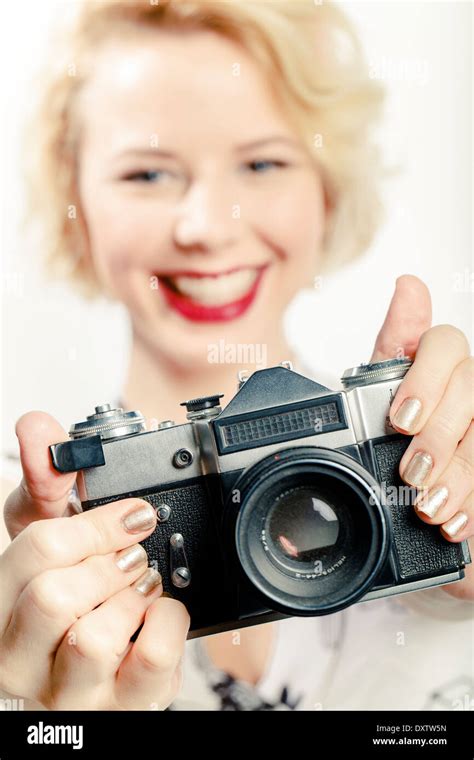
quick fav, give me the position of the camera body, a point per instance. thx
(286, 502)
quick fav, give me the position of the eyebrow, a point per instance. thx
(238, 149)
(265, 140)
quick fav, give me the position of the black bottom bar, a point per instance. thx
(341, 734)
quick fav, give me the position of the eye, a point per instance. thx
(261, 167)
(148, 177)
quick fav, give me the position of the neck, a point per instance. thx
(156, 386)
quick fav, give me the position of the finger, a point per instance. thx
(433, 447)
(56, 599)
(440, 351)
(43, 491)
(446, 496)
(64, 541)
(461, 525)
(149, 676)
(90, 654)
(408, 317)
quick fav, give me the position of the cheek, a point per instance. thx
(124, 235)
(291, 218)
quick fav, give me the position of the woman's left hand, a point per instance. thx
(435, 404)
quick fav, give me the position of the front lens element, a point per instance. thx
(301, 527)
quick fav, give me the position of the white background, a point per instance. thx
(63, 356)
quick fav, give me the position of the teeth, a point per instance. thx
(216, 291)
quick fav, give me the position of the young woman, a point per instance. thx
(202, 162)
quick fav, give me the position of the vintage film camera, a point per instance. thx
(286, 502)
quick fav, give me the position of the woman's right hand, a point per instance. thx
(69, 605)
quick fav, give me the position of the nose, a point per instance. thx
(206, 220)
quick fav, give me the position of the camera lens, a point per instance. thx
(311, 532)
(301, 527)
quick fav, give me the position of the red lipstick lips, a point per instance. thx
(198, 312)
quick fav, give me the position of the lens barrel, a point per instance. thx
(311, 530)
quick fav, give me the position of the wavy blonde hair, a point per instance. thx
(313, 62)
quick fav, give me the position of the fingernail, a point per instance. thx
(408, 415)
(148, 581)
(431, 502)
(418, 469)
(131, 557)
(455, 524)
(140, 519)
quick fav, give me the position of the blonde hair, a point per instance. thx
(314, 64)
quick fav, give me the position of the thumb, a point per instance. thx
(43, 492)
(408, 317)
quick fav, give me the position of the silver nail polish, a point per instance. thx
(408, 415)
(131, 557)
(455, 524)
(418, 469)
(148, 582)
(433, 501)
(140, 519)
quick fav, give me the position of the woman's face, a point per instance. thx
(204, 211)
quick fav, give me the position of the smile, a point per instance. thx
(205, 297)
